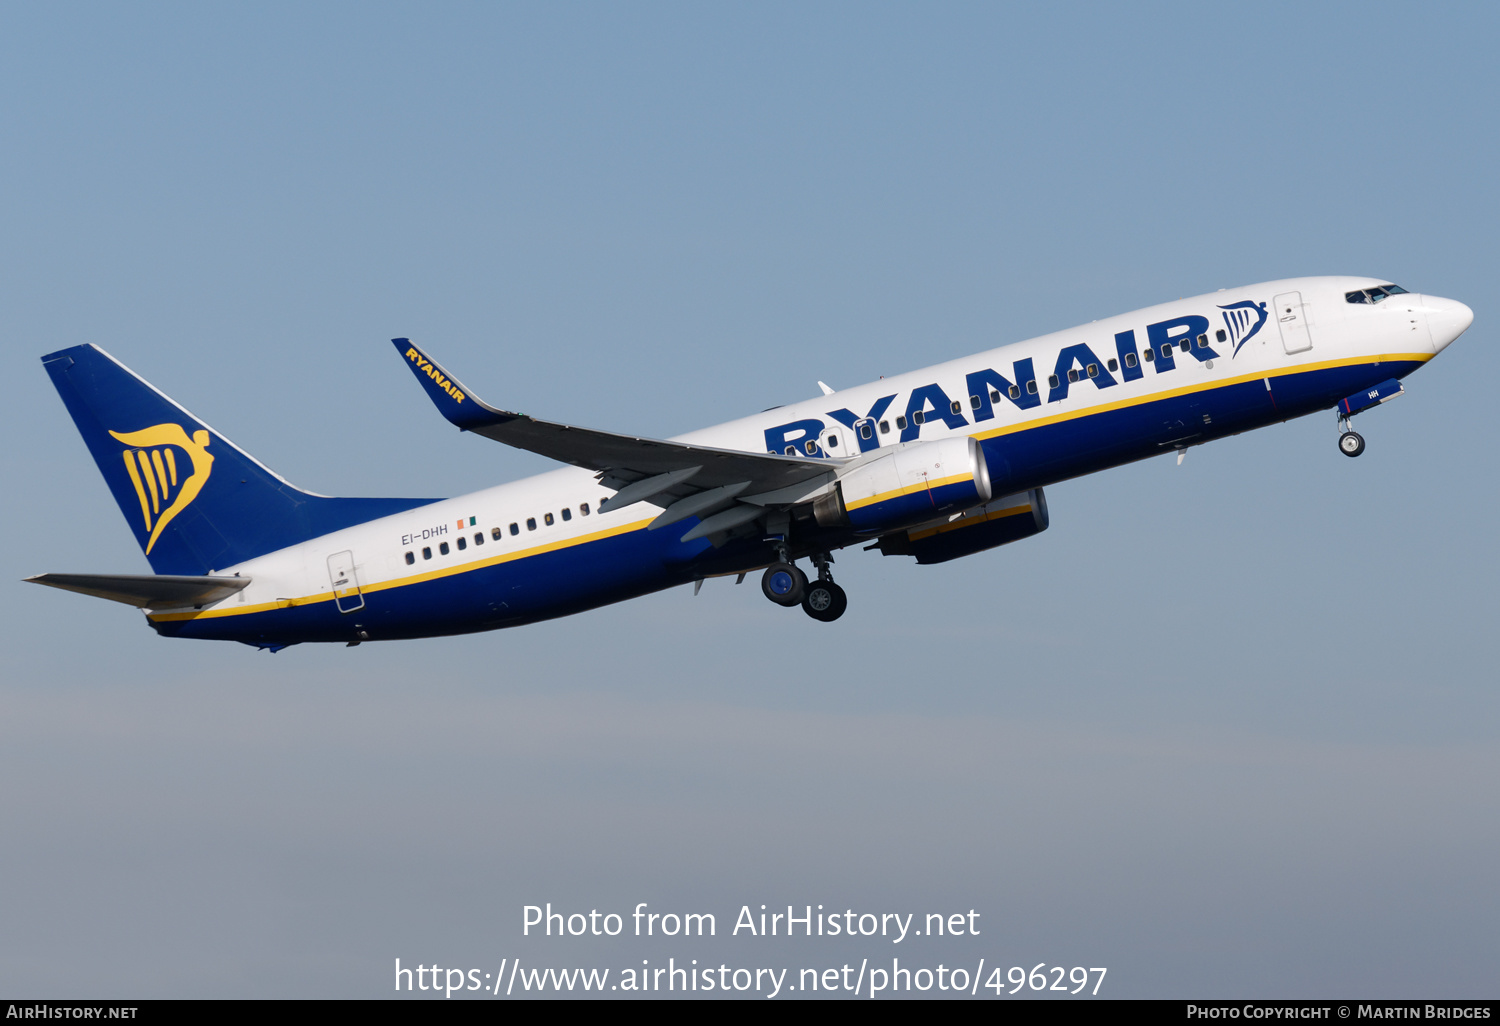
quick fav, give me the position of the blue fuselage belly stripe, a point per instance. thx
(607, 570)
(1071, 448)
(539, 587)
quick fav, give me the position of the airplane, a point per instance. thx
(937, 464)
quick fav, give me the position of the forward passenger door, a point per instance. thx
(1291, 318)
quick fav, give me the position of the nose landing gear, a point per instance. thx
(1351, 442)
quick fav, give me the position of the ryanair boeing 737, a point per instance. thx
(939, 463)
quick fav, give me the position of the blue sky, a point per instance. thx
(1228, 728)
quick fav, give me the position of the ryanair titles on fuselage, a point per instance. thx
(926, 403)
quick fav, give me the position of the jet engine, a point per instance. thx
(995, 523)
(909, 485)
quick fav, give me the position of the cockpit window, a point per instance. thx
(1375, 295)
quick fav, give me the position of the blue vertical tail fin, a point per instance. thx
(196, 502)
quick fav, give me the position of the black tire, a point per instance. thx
(1351, 443)
(783, 584)
(824, 601)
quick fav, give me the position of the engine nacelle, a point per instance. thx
(909, 485)
(995, 523)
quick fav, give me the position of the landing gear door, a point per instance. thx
(1291, 317)
(346, 594)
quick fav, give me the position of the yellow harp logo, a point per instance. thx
(164, 482)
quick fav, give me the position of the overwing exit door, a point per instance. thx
(834, 441)
(346, 593)
(1291, 318)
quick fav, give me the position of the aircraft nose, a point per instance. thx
(1447, 319)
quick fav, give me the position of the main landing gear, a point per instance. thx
(786, 585)
(783, 584)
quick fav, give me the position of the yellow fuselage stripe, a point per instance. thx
(1207, 386)
(401, 582)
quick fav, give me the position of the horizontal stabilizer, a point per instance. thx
(148, 591)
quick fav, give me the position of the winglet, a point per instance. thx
(462, 407)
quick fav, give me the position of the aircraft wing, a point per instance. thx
(661, 467)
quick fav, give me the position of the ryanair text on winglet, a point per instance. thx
(425, 364)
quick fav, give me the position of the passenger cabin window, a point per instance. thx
(462, 543)
(920, 417)
(531, 523)
(1166, 349)
(583, 508)
(833, 441)
(974, 401)
(515, 529)
(547, 519)
(811, 447)
(1093, 370)
(956, 406)
(442, 548)
(791, 450)
(885, 427)
(1052, 381)
(1148, 355)
(1130, 360)
(478, 537)
(1220, 335)
(1374, 295)
(410, 558)
(426, 551)
(1073, 375)
(866, 430)
(567, 513)
(1031, 387)
(1185, 344)
(1113, 364)
(900, 423)
(495, 532)
(1202, 341)
(1015, 392)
